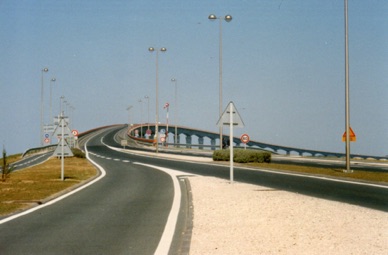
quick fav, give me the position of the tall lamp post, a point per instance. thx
(227, 18)
(44, 70)
(347, 104)
(148, 111)
(151, 49)
(141, 118)
(176, 110)
(51, 99)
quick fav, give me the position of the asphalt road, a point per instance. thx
(123, 213)
(347, 191)
(364, 194)
(31, 161)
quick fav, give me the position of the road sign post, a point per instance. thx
(244, 139)
(62, 150)
(232, 118)
(352, 136)
(348, 137)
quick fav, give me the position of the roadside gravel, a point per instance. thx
(248, 219)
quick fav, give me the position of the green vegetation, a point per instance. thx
(78, 153)
(242, 156)
(323, 171)
(262, 159)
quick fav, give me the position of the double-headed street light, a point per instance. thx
(151, 49)
(227, 18)
(44, 70)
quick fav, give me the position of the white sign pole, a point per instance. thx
(236, 120)
(231, 141)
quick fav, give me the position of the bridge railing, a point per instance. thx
(189, 132)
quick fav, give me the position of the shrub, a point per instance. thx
(243, 156)
(221, 155)
(78, 153)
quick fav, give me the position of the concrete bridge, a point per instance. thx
(208, 140)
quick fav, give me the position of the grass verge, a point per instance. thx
(31, 186)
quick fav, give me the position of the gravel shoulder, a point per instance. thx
(242, 218)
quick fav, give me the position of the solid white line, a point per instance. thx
(103, 173)
(169, 230)
(318, 177)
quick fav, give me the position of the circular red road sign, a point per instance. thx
(244, 138)
(74, 132)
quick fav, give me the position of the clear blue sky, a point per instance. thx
(283, 67)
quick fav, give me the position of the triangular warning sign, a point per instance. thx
(225, 118)
(352, 135)
(66, 130)
(66, 150)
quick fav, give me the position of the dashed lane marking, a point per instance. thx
(108, 158)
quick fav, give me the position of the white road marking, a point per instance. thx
(169, 230)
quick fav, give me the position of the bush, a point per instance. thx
(221, 155)
(243, 156)
(78, 153)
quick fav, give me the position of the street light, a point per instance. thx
(44, 70)
(227, 18)
(176, 110)
(141, 118)
(51, 98)
(148, 111)
(347, 104)
(151, 49)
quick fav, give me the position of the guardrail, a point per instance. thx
(39, 150)
(52, 147)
